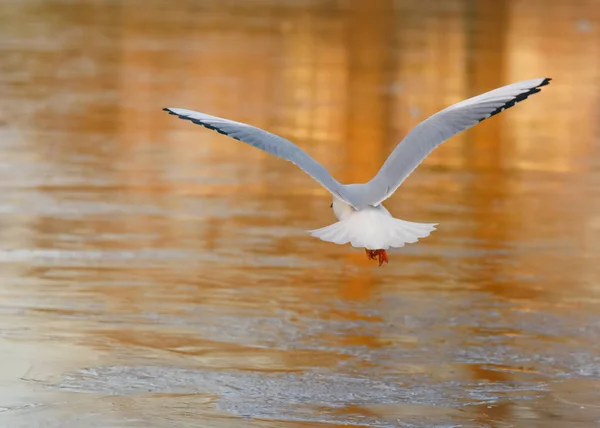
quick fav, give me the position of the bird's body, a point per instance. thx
(363, 221)
(371, 228)
(363, 228)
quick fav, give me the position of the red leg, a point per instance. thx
(371, 254)
(382, 257)
(379, 255)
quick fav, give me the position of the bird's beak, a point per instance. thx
(331, 206)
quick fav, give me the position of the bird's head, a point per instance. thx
(341, 209)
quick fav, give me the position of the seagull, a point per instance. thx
(362, 219)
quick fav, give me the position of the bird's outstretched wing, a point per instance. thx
(432, 132)
(265, 141)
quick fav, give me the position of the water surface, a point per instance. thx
(156, 274)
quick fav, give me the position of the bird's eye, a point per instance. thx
(331, 206)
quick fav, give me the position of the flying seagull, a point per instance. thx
(363, 220)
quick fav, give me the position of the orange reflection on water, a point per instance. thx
(137, 246)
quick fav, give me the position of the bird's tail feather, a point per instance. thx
(374, 230)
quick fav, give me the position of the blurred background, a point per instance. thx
(156, 274)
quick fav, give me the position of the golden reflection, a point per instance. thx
(489, 23)
(554, 134)
(430, 69)
(369, 41)
(145, 239)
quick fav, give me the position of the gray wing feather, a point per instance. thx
(265, 141)
(433, 131)
(411, 151)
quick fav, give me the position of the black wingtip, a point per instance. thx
(168, 110)
(519, 98)
(201, 123)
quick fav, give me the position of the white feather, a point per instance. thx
(372, 228)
